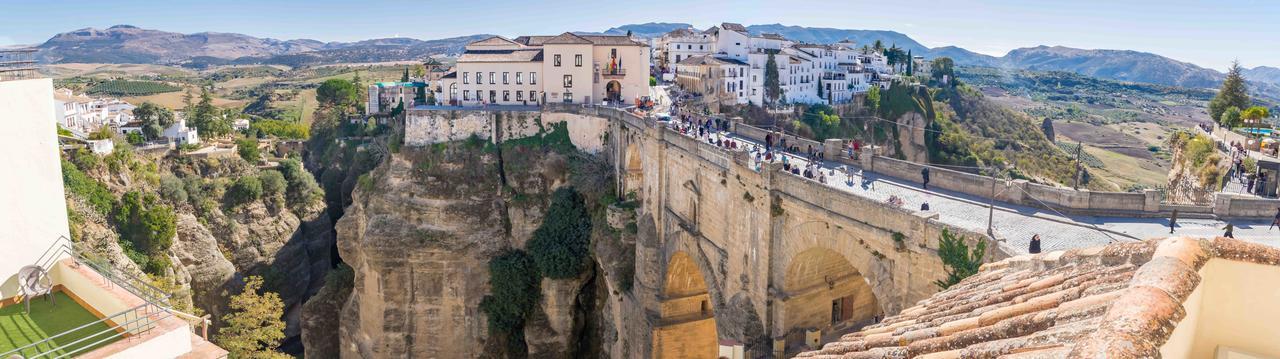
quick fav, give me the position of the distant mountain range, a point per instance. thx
(129, 44)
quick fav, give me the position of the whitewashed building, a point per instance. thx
(808, 73)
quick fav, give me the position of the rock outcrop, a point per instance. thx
(419, 238)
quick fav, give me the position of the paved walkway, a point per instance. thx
(1014, 224)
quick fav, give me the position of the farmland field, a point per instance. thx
(131, 88)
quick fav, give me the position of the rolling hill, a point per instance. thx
(130, 44)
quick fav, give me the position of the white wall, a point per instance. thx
(1235, 306)
(33, 212)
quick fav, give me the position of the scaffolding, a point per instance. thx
(18, 64)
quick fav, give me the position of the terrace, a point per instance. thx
(94, 311)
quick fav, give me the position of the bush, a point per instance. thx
(147, 224)
(172, 189)
(85, 160)
(248, 149)
(87, 188)
(302, 186)
(560, 246)
(514, 291)
(273, 182)
(958, 259)
(246, 189)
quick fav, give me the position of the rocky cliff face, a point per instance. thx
(419, 236)
(216, 244)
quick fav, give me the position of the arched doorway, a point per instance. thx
(687, 328)
(613, 91)
(822, 291)
(453, 94)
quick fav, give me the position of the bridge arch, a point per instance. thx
(825, 267)
(686, 327)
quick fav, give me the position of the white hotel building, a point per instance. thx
(531, 70)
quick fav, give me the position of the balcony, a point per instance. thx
(614, 73)
(94, 311)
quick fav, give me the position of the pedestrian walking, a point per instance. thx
(924, 178)
(1034, 247)
(1228, 228)
(1173, 221)
(1275, 222)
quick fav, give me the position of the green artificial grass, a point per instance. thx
(17, 328)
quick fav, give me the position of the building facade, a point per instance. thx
(807, 73)
(531, 70)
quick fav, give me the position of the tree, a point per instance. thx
(246, 189)
(910, 63)
(942, 68)
(560, 245)
(186, 101)
(1232, 93)
(154, 119)
(873, 98)
(273, 182)
(1255, 114)
(253, 327)
(207, 118)
(878, 46)
(248, 149)
(772, 86)
(419, 71)
(820, 95)
(337, 94)
(959, 261)
(405, 78)
(1231, 118)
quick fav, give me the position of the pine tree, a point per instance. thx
(1232, 94)
(958, 259)
(405, 78)
(820, 89)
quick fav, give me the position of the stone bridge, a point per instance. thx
(767, 259)
(728, 255)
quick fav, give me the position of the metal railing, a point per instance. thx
(131, 322)
(18, 64)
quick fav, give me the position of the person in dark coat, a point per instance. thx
(1173, 221)
(1034, 247)
(1229, 228)
(924, 178)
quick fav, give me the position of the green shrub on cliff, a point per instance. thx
(560, 246)
(958, 259)
(514, 291)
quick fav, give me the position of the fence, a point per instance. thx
(134, 321)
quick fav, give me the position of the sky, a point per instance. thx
(1206, 33)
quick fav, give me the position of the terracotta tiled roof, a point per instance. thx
(521, 55)
(1116, 301)
(733, 27)
(571, 38)
(567, 38)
